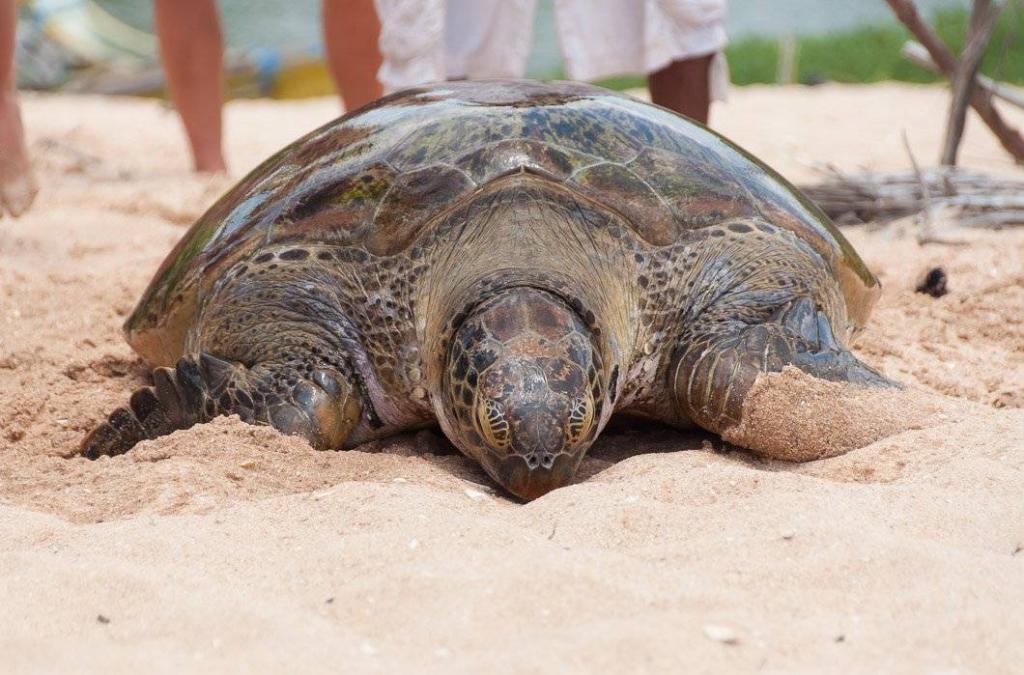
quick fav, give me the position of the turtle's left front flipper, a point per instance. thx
(716, 370)
(318, 404)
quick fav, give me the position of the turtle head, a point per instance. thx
(522, 390)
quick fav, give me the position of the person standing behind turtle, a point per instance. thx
(192, 51)
(17, 185)
(382, 46)
(677, 43)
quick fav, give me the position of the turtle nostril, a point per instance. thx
(535, 460)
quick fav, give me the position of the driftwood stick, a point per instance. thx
(1004, 202)
(885, 196)
(981, 100)
(995, 220)
(984, 15)
(918, 55)
(925, 232)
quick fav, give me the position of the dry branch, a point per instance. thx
(983, 21)
(925, 233)
(981, 99)
(978, 199)
(917, 54)
(994, 221)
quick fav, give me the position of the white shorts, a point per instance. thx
(434, 40)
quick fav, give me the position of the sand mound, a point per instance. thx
(229, 547)
(792, 416)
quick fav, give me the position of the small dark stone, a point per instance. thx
(933, 283)
(330, 601)
(102, 619)
(840, 638)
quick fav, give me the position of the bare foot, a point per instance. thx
(17, 185)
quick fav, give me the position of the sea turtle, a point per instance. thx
(513, 261)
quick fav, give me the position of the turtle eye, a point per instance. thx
(580, 417)
(493, 425)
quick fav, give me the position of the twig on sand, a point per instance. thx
(979, 200)
(926, 233)
(926, 197)
(995, 220)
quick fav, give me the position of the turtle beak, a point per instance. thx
(515, 474)
(540, 457)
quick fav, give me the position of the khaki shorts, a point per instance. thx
(434, 40)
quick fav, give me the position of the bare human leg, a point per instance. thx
(17, 186)
(684, 86)
(191, 50)
(351, 32)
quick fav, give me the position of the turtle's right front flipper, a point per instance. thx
(322, 407)
(715, 373)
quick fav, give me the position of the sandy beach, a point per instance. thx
(232, 548)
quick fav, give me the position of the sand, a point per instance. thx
(230, 548)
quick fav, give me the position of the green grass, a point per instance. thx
(870, 54)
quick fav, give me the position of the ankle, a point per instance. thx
(212, 164)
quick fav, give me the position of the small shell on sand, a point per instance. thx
(720, 633)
